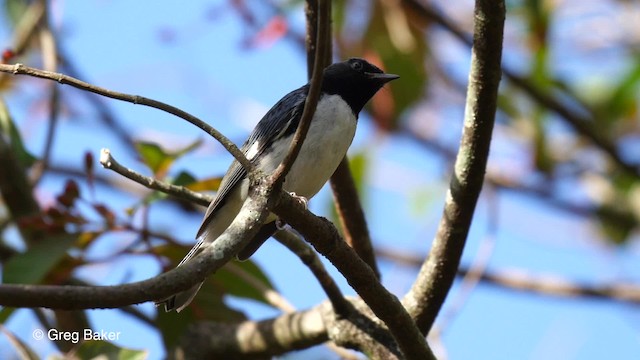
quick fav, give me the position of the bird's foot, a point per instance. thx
(281, 224)
(301, 199)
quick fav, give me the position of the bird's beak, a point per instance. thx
(384, 78)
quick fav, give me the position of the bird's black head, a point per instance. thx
(355, 80)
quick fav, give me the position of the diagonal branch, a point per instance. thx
(242, 229)
(324, 43)
(108, 162)
(345, 195)
(325, 238)
(351, 215)
(436, 276)
(20, 69)
(309, 257)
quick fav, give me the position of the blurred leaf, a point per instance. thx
(5, 314)
(205, 306)
(228, 280)
(208, 184)
(154, 157)
(15, 9)
(88, 169)
(422, 199)
(622, 100)
(69, 195)
(187, 180)
(8, 127)
(184, 178)
(87, 238)
(99, 349)
(160, 160)
(224, 281)
(187, 149)
(399, 57)
(359, 165)
(32, 266)
(75, 321)
(616, 223)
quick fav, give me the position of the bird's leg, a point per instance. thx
(280, 224)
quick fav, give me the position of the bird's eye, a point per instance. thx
(357, 65)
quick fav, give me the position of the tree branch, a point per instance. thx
(108, 162)
(521, 280)
(324, 43)
(294, 331)
(436, 276)
(20, 69)
(242, 229)
(309, 257)
(351, 215)
(325, 238)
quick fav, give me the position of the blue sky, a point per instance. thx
(205, 70)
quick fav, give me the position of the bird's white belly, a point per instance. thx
(330, 135)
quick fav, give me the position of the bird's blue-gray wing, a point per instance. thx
(281, 120)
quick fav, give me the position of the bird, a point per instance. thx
(346, 87)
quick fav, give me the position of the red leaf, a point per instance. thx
(8, 55)
(275, 29)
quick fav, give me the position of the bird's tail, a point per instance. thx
(180, 300)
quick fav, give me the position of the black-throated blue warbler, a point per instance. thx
(346, 88)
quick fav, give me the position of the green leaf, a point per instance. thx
(158, 159)
(154, 157)
(32, 267)
(616, 223)
(15, 9)
(99, 349)
(8, 127)
(5, 314)
(187, 180)
(237, 278)
(206, 306)
(623, 98)
(359, 165)
(184, 178)
(231, 279)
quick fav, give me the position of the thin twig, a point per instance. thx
(20, 69)
(108, 162)
(523, 280)
(50, 60)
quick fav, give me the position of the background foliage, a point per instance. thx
(562, 192)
